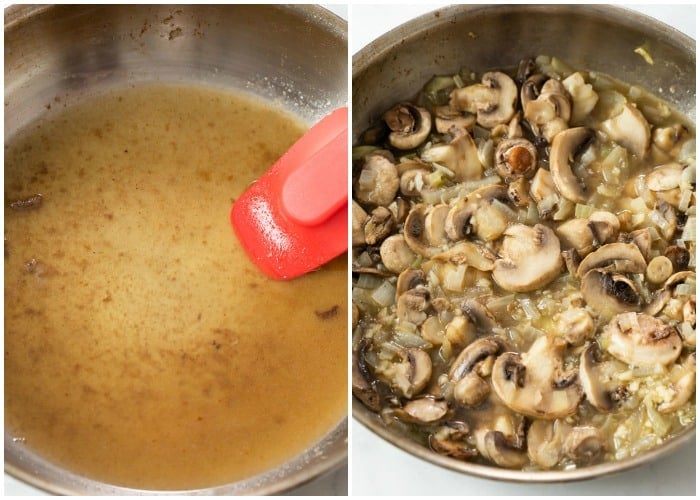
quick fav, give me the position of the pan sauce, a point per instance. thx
(142, 348)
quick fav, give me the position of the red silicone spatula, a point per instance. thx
(294, 218)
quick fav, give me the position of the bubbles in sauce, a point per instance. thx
(142, 348)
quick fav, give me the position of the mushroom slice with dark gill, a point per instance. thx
(470, 388)
(535, 383)
(452, 440)
(597, 379)
(411, 374)
(608, 293)
(410, 125)
(623, 257)
(548, 113)
(584, 445)
(502, 441)
(362, 378)
(493, 100)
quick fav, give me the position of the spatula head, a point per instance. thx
(282, 235)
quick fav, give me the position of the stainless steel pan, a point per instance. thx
(56, 55)
(483, 37)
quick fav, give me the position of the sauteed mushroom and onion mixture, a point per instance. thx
(524, 267)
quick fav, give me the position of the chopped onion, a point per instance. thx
(660, 424)
(443, 170)
(409, 340)
(385, 294)
(359, 151)
(685, 199)
(368, 281)
(565, 209)
(689, 230)
(454, 278)
(583, 211)
(609, 190)
(510, 214)
(639, 206)
(529, 308)
(500, 305)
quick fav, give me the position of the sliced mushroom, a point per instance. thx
(664, 294)
(476, 352)
(415, 231)
(476, 214)
(629, 129)
(471, 390)
(683, 387)
(518, 192)
(504, 451)
(577, 234)
(515, 158)
(530, 258)
(359, 217)
(548, 114)
(470, 253)
(501, 443)
(452, 440)
(535, 383)
(493, 100)
(596, 379)
(379, 225)
(664, 177)
(410, 125)
(609, 293)
(449, 120)
(362, 387)
(584, 445)
(679, 257)
(625, 257)
(461, 156)
(545, 439)
(411, 374)
(423, 410)
(566, 147)
(604, 225)
(396, 254)
(641, 340)
(412, 305)
(408, 280)
(480, 316)
(378, 181)
(665, 219)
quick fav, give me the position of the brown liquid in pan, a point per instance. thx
(142, 347)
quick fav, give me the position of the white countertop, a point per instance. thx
(379, 468)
